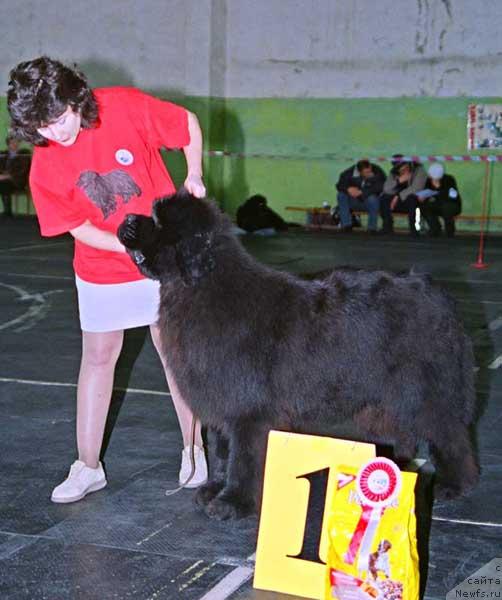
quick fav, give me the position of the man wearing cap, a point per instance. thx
(440, 198)
(405, 180)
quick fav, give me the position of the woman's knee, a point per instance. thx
(102, 349)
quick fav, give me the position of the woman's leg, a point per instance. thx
(185, 415)
(100, 352)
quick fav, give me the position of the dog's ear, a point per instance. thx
(195, 257)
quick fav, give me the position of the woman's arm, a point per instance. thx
(193, 156)
(88, 234)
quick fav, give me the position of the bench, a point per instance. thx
(318, 216)
(318, 213)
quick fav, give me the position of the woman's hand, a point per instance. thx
(193, 154)
(195, 185)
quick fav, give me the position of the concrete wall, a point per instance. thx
(319, 138)
(364, 48)
(156, 44)
(267, 48)
(350, 78)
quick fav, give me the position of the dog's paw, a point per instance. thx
(224, 509)
(207, 492)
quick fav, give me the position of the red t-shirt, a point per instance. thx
(110, 171)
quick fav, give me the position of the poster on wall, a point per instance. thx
(484, 126)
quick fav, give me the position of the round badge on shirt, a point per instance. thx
(124, 157)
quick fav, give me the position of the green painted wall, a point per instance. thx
(344, 129)
(311, 128)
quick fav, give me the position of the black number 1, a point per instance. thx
(313, 522)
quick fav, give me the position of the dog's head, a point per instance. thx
(178, 240)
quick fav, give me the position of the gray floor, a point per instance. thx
(129, 540)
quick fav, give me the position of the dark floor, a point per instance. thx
(129, 540)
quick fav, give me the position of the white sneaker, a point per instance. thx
(200, 475)
(80, 481)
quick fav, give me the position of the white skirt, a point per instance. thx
(117, 306)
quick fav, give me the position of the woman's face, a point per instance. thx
(64, 130)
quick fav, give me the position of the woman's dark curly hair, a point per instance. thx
(40, 90)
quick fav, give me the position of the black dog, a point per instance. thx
(255, 349)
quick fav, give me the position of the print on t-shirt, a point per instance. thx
(102, 189)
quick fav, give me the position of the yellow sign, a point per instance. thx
(300, 475)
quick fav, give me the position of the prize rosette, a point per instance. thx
(379, 482)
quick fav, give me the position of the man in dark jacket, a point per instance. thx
(440, 198)
(14, 170)
(359, 188)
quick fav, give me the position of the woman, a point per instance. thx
(96, 159)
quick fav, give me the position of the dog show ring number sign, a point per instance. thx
(300, 476)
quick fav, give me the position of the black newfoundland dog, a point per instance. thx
(254, 349)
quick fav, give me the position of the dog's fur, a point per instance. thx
(254, 349)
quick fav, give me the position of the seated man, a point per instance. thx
(400, 190)
(359, 188)
(14, 170)
(440, 198)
